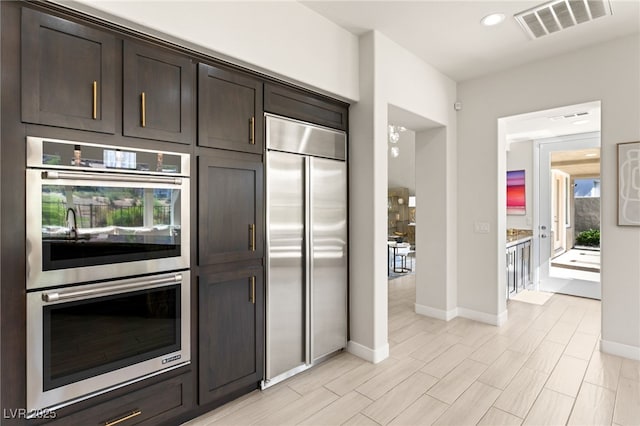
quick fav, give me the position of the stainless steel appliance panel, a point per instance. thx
(90, 206)
(55, 379)
(286, 308)
(90, 237)
(328, 269)
(307, 267)
(288, 135)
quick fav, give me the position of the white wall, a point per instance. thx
(390, 75)
(608, 72)
(520, 157)
(283, 39)
(402, 169)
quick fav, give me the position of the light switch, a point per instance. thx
(482, 227)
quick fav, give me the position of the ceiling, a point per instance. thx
(447, 34)
(568, 120)
(583, 162)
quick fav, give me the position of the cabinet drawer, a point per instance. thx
(150, 406)
(305, 106)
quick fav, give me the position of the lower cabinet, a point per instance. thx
(157, 404)
(518, 267)
(231, 332)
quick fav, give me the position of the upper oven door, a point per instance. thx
(85, 226)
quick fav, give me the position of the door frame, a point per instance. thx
(545, 147)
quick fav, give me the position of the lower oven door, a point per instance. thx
(89, 339)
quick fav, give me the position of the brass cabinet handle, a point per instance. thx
(252, 237)
(95, 100)
(126, 417)
(253, 290)
(252, 141)
(143, 109)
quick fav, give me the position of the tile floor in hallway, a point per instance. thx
(541, 368)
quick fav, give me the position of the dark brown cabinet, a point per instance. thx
(158, 94)
(68, 74)
(230, 315)
(229, 110)
(230, 209)
(296, 103)
(152, 405)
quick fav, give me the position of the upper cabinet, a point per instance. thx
(158, 94)
(229, 110)
(305, 106)
(68, 74)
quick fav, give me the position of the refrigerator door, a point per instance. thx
(286, 290)
(328, 269)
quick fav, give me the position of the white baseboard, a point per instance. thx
(372, 355)
(620, 349)
(436, 313)
(484, 317)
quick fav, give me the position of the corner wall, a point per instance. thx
(608, 72)
(390, 75)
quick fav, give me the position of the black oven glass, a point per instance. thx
(87, 225)
(85, 338)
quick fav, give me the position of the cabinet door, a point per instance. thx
(158, 94)
(230, 315)
(68, 74)
(230, 206)
(229, 110)
(305, 106)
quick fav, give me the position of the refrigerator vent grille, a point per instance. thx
(559, 15)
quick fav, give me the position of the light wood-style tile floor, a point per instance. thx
(541, 368)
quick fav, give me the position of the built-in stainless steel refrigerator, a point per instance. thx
(306, 311)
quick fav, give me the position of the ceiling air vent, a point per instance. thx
(558, 15)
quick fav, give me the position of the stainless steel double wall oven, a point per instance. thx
(107, 268)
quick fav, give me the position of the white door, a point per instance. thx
(546, 227)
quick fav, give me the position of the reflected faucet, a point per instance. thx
(72, 223)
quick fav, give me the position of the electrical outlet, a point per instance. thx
(481, 227)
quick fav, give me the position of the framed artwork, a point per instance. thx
(629, 184)
(516, 195)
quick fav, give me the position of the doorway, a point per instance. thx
(553, 149)
(569, 215)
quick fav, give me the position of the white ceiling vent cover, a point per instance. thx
(561, 14)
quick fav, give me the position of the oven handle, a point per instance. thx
(51, 174)
(112, 289)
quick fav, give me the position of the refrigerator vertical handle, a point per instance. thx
(308, 260)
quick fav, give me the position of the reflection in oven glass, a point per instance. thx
(83, 225)
(86, 338)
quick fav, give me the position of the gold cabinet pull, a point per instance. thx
(253, 290)
(126, 417)
(95, 100)
(252, 141)
(143, 109)
(252, 237)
